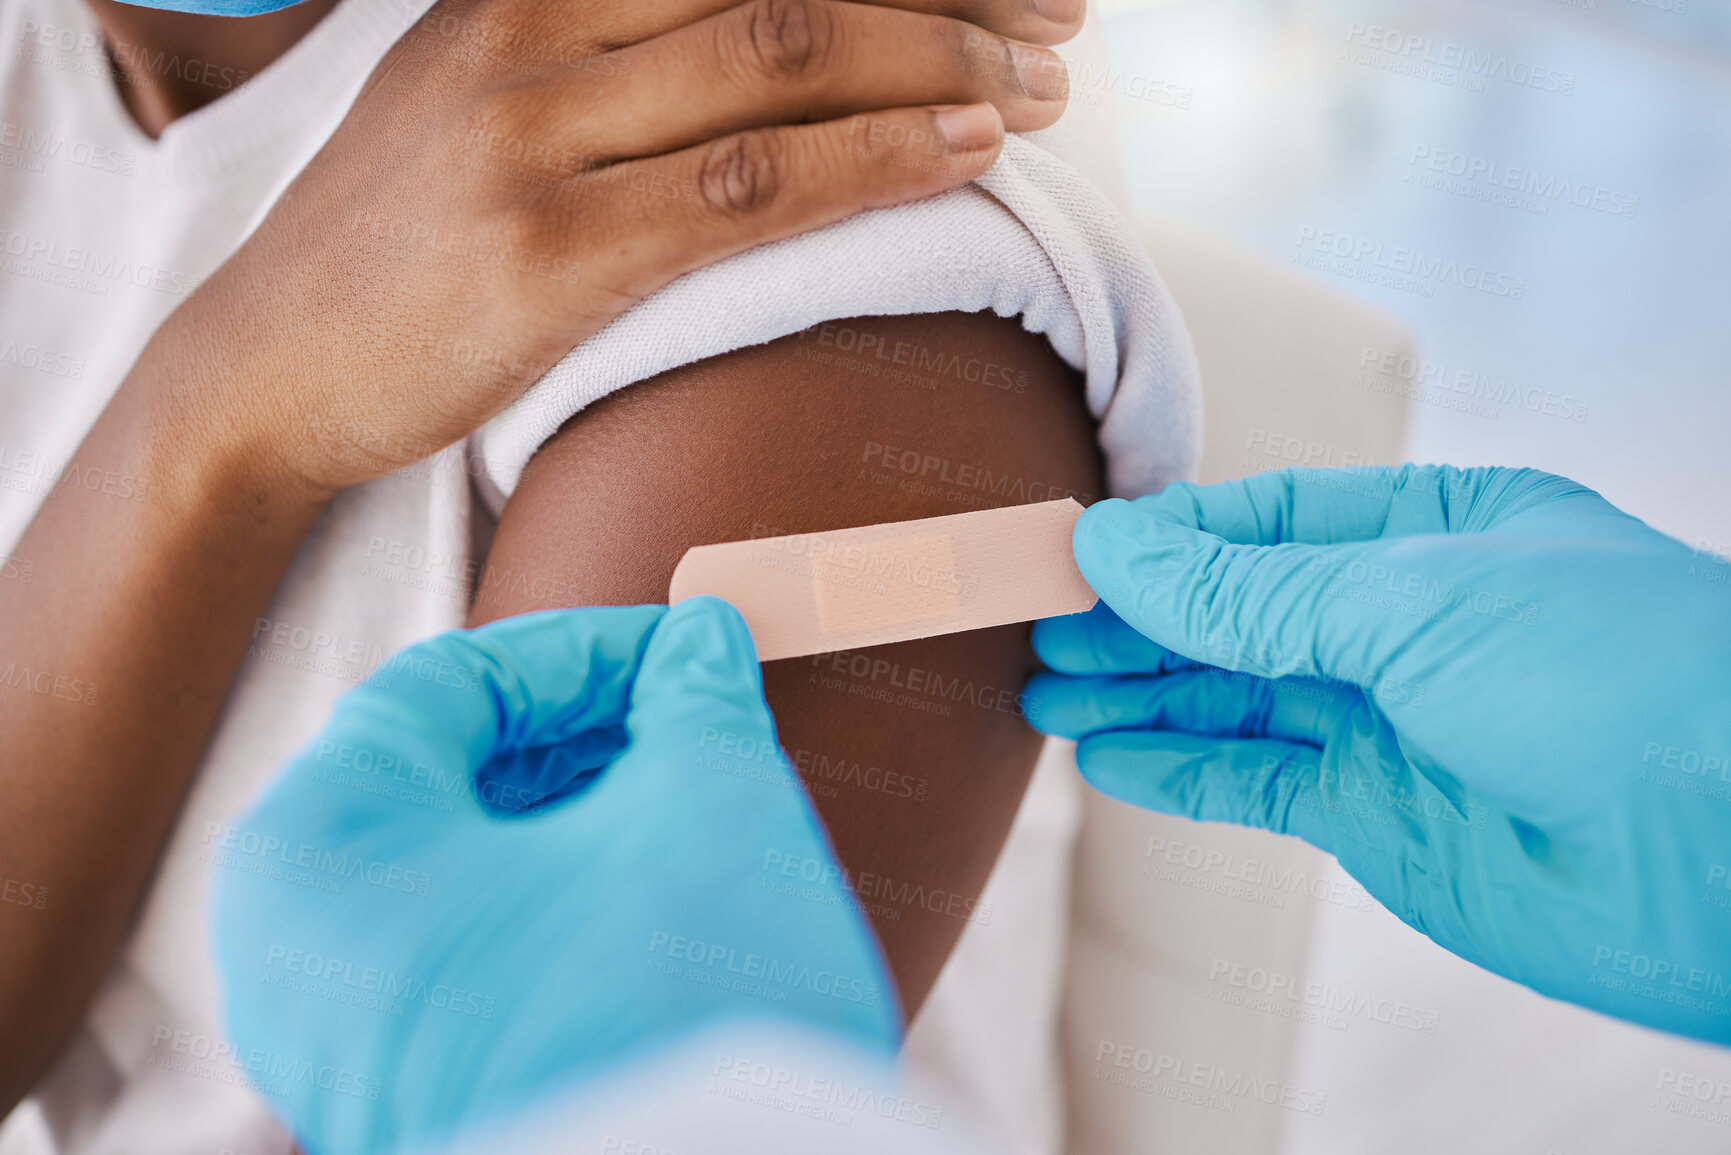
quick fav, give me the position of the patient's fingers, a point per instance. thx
(1036, 21)
(601, 25)
(766, 184)
(754, 66)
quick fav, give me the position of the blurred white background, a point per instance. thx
(1296, 122)
(1580, 151)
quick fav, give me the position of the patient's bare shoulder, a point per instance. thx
(916, 755)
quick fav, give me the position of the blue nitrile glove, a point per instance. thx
(1504, 705)
(403, 956)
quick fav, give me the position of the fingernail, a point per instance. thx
(1060, 11)
(968, 126)
(1041, 73)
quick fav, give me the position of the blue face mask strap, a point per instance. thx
(217, 7)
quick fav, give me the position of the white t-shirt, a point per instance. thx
(103, 232)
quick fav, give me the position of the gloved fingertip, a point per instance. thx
(1106, 522)
(1098, 539)
(1039, 703)
(549, 642)
(1121, 548)
(1055, 639)
(1066, 706)
(1111, 511)
(719, 617)
(1177, 504)
(704, 638)
(1098, 641)
(1106, 767)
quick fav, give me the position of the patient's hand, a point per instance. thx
(916, 754)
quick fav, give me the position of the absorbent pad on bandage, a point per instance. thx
(813, 593)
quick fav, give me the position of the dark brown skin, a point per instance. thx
(767, 440)
(309, 361)
(234, 48)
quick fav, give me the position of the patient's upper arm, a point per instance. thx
(916, 755)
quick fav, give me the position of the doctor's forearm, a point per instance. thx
(147, 568)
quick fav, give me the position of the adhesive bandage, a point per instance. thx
(811, 593)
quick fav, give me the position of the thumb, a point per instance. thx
(1264, 610)
(700, 688)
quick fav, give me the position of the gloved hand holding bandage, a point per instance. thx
(1498, 700)
(479, 958)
